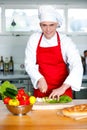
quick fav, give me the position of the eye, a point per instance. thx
(51, 25)
(43, 25)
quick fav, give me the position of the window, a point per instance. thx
(77, 20)
(21, 20)
(0, 19)
(25, 20)
(61, 12)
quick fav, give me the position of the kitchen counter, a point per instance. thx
(15, 75)
(40, 120)
(22, 74)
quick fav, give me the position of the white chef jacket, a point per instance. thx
(70, 55)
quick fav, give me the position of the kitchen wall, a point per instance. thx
(80, 41)
(13, 46)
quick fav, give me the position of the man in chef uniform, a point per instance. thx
(52, 59)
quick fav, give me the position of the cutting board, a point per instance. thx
(50, 106)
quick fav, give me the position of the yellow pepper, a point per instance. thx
(13, 102)
(32, 100)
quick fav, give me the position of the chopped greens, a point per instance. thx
(62, 99)
(50, 100)
(65, 99)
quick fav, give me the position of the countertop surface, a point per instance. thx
(40, 120)
(22, 74)
(15, 75)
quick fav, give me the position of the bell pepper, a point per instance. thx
(24, 102)
(32, 100)
(6, 100)
(19, 96)
(13, 102)
(21, 91)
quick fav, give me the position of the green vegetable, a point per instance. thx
(62, 99)
(65, 99)
(50, 100)
(29, 93)
(5, 85)
(12, 91)
(7, 94)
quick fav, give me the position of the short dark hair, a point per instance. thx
(85, 51)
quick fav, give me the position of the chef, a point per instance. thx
(52, 59)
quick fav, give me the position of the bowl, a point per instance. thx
(19, 110)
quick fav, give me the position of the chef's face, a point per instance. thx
(48, 28)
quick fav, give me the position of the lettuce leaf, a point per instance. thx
(62, 99)
(4, 85)
(65, 99)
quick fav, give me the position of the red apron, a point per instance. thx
(52, 67)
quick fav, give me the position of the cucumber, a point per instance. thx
(9, 95)
(12, 91)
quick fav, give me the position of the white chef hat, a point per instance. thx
(48, 13)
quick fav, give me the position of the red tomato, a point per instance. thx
(19, 96)
(6, 100)
(25, 96)
(24, 102)
(21, 91)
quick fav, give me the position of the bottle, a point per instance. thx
(6, 66)
(86, 65)
(1, 64)
(11, 65)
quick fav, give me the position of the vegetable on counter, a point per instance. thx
(15, 97)
(6, 100)
(65, 99)
(62, 99)
(5, 85)
(32, 99)
(7, 94)
(12, 91)
(14, 102)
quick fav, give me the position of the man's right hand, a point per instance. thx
(42, 85)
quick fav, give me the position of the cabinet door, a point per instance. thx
(82, 94)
